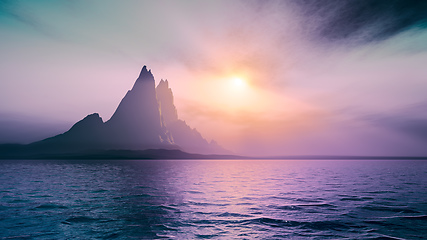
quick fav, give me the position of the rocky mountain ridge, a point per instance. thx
(146, 118)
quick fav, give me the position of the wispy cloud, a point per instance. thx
(361, 21)
(365, 56)
(411, 120)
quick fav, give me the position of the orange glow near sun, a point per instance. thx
(233, 93)
(236, 94)
(240, 103)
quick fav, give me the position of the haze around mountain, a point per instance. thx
(315, 77)
(146, 118)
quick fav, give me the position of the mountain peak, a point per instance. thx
(163, 84)
(145, 118)
(136, 123)
(145, 74)
(165, 99)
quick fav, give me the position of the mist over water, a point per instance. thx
(213, 199)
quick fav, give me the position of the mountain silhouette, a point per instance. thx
(146, 118)
(183, 135)
(136, 123)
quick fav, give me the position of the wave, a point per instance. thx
(80, 219)
(388, 209)
(236, 215)
(316, 225)
(50, 206)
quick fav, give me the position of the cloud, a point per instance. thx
(27, 15)
(360, 21)
(295, 49)
(411, 121)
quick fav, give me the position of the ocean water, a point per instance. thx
(213, 199)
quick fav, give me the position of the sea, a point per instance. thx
(213, 199)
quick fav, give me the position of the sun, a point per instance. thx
(238, 82)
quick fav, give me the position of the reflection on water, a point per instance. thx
(215, 199)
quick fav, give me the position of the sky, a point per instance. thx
(293, 77)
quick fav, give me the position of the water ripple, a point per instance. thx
(207, 199)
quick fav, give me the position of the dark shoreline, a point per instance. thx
(16, 151)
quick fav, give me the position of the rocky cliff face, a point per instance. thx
(165, 98)
(189, 139)
(136, 122)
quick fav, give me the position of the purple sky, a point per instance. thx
(319, 77)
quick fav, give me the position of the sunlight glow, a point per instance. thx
(238, 82)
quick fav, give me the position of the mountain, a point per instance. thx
(183, 135)
(146, 118)
(136, 123)
(166, 105)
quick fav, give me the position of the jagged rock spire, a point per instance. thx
(145, 118)
(145, 74)
(136, 121)
(165, 99)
